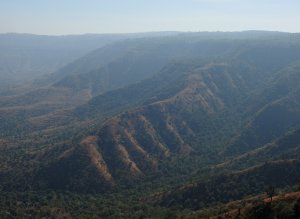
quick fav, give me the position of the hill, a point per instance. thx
(184, 121)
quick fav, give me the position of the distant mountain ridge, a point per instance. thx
(25, 57)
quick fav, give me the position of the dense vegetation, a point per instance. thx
(162, 127)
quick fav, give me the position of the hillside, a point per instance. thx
(26, 57)
(174, 122)
(234, 186)
(135, 143)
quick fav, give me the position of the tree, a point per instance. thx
(262, 211)
(297, 209)
(270, 192)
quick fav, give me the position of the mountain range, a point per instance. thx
(180, 121)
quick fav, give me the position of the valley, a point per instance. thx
(166, 126)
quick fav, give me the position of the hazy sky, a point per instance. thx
(116, 16)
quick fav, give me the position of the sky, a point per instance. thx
(61, 17)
